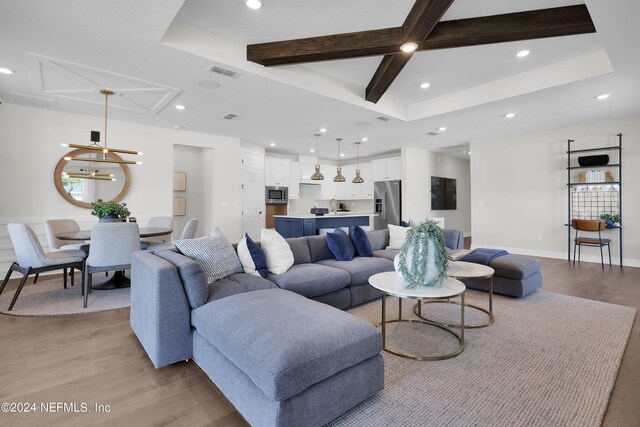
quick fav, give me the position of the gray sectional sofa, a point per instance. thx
(278, 348)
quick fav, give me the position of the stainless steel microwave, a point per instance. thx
(276, 195)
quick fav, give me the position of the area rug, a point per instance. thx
(49, 298)
(548, 360)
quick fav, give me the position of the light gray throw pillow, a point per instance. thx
(214, 253)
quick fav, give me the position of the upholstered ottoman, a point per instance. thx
(515, 276)
(285, 360)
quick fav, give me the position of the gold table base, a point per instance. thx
(459, 337)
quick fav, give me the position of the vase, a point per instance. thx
(609, 222)
(431, 272)
(110, 218)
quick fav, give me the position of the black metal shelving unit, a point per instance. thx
(570, 185)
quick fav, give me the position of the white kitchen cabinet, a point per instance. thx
(276, 172)
(366, 188)
(306, 170)
(387, 169)
(327, 186)
(294, 180)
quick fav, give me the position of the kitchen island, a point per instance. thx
(299, 225)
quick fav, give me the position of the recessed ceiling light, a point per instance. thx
(603, 96)
(313, 150)
(5, 71)
(254, 4)
(341, 154)
(409, 47)
(442, 129)
(510, 115)
(273, 144)
(180, 107)
(177, 126)
(522, 53)
(323, 130)
(365, 139)
(469, 153)
(425, 85)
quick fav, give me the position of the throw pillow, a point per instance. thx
(277, 251)
(252, 257)
(340, 245)
(360, 241)
(405, 224)
(214, 253)
(397, 234)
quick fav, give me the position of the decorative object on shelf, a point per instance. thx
(617, 219)
(339, 177)
(105, 150)
(110, 211)
(317, 175)
(179, 181)
(358, 179)
(422, 261)
(599, 160)
(611, 220)
(179, 206)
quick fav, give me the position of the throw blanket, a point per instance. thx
(483, 255)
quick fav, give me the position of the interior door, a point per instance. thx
(252, 181)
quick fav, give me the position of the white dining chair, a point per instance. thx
(112, 244)
(188, 232)
(31, 258)
(52, 227)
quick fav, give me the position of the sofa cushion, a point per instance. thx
(214, 253)
(318, 248)
(237, 284)
(515, 266)
(284, 342)
(389, 254)
(252, 257)
(379, 239)
(300, 249)
(311, 280)
(360, 268)
(278, 252)
(397, 236)
(194, 281)
(340, 245)
(360, 241)
(453, 239)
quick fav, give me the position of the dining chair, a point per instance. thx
(112, 244)
(33, 259)
(188, 232)
(593, 226)
(52, 227)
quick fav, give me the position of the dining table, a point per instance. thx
(118, 280)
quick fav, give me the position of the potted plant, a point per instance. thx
(607, 218)
(422, 260)
(109, 211)
(616, 219)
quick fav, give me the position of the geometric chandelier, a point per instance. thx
(103, 149)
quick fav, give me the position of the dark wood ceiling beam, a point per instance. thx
(422, 19)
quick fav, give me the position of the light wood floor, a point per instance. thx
(96, 358)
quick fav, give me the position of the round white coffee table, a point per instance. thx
(464, 270)
(391, 284)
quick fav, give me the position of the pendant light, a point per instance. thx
(358, 179)
(104, 150)
(339, 177)
(317, 175)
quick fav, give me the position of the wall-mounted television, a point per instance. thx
(443, 193)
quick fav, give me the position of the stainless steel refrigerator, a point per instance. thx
(388, 203)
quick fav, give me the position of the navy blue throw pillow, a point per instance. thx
(404, 224)
(340, 245)
(360, 241)
(258, 256)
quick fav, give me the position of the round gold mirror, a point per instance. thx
(81, 182)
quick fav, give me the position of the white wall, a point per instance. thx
(519, 193)
(30, 139)
(418, 166)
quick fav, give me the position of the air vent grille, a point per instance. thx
(433, 133)
(383, 119)
(229, 116)
(224, 72)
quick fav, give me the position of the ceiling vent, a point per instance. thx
(383, 119)
(229, 116)
(433, 133)
(224, 72)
